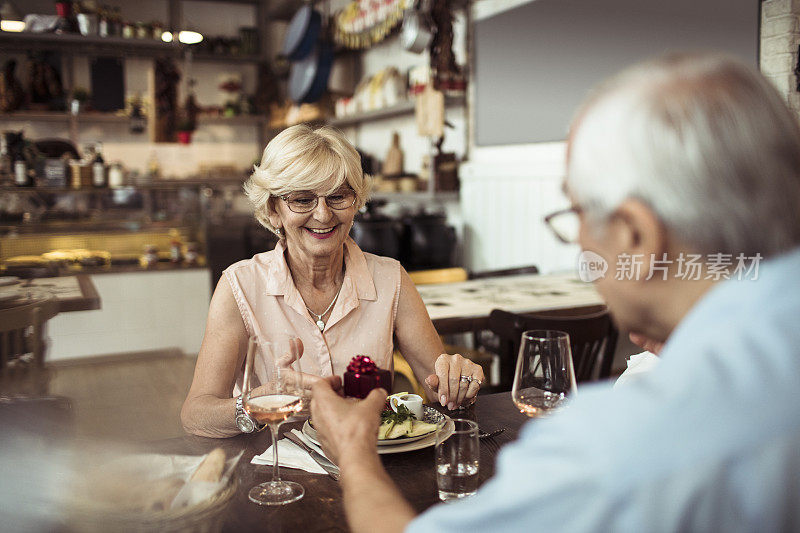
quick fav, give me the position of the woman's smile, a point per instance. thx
(321, 233)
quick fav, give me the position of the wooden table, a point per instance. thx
(465, 306)
(321, 508)
(72, 293)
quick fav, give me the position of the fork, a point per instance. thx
(491, 434)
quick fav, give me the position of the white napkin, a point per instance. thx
(292, 456)
(638, 365)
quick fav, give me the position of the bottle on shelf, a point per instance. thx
(6, 163)
(138, 122)
(116, 175)
(99, 171)
(21, 176)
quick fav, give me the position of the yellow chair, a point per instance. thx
(439, 275)
(408, 382)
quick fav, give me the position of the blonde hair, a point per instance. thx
(301, 158)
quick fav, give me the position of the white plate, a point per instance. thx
(415, 444)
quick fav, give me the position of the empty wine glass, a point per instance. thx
(272, 392)
(544, 376)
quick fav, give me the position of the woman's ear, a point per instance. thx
(272, 214)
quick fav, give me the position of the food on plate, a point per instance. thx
(401, 424)
(363, 375)
(211, 468)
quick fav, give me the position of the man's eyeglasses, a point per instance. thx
(565, 224)
(305, 201)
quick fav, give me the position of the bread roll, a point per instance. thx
(211, 467)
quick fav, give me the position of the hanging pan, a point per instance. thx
(309, 77)
(302, 33)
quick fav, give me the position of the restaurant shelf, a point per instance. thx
(221, 58)
(405, 108)
(60, 116)
(239, 120)
(23, 42)
(415, 196)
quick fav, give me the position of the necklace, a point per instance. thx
(320, 323)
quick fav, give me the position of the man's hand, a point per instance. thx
(346, 427)
(646, 343)
(286, 360)
(451, 390)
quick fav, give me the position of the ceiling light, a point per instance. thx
(189, 37)
(166, 36)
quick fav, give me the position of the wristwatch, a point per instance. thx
(244, 422)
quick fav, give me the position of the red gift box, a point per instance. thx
(363, 375)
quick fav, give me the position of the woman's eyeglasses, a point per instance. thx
(305, 201)
(565, 224)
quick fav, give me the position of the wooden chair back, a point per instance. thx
(23, 345)
(439, 275)
(593, 339)
(530, 269)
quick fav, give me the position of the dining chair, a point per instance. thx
(593, 339)
(438, 275)
(23, 346)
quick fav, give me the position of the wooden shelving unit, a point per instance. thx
(88, 45)
(406, 108)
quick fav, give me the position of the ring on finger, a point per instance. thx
(467, 379)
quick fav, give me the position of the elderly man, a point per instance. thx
(686, 160)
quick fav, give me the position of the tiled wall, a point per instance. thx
(780, 36)
(139, 312)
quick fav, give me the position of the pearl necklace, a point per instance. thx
(320, 323)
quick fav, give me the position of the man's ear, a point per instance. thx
(638, 231)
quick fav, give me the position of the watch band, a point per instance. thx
(244, 421)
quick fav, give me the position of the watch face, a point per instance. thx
(245, 424)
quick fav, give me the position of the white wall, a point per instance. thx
(140, 311)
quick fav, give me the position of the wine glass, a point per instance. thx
(272, 392)
(544, 377)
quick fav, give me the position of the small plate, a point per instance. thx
(407, 445)
(430, 415)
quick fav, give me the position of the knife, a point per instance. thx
(318, 458)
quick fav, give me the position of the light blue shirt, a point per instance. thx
(710, 441)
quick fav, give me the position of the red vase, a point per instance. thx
(184, 137)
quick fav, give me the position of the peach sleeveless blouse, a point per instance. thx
(361, 322)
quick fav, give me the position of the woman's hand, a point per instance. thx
(456, 381)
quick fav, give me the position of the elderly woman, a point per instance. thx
(316, 285)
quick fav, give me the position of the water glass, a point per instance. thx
(544, 377)
(457, 460)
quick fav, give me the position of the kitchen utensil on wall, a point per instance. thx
(429, 112)
(416, 34)
(302, 33)
(393, 165)
(308, 78)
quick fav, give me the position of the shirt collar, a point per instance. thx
(280, 283)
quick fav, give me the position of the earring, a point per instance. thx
(279, 232)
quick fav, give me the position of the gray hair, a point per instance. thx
(705, 141)
(302, 158)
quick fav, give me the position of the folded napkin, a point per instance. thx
(291, 455)
(638, 365)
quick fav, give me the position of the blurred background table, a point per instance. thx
(465, 306)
